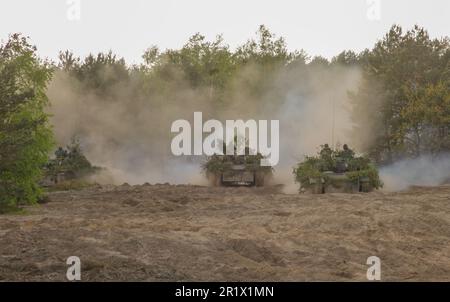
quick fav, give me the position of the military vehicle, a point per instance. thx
(68, 164)
(336, 171)
(236, 170)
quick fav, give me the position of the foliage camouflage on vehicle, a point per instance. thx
(217, 166)
(322, 169)
(69, 163)
(221, 163)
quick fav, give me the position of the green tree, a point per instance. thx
(347, 58)
(97, 73)
(398, 71)
(25, 135)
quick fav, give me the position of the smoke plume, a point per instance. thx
(128, 131)
(426, 170)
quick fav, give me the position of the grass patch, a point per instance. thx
(12, 210)
(70, 185)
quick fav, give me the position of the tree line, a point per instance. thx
(403, 100)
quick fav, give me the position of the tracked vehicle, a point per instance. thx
(336, 172)
(236, 170)
(68, 164)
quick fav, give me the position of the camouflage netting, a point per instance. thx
(70, 162)
(221, 163)
(318, 168)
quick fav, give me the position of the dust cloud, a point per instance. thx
(127, 131)
(427, 170)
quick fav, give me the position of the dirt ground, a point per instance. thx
(193, 233)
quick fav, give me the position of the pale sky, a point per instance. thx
(128, 27)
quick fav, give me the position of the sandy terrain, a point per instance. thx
(171, 233)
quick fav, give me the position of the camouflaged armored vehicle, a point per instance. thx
(336, 171)
(237, 170)
(68, 164)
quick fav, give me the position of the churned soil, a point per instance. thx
(192, 233)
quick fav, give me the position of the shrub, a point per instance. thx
(25, 135)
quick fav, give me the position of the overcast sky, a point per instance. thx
(128, 27)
